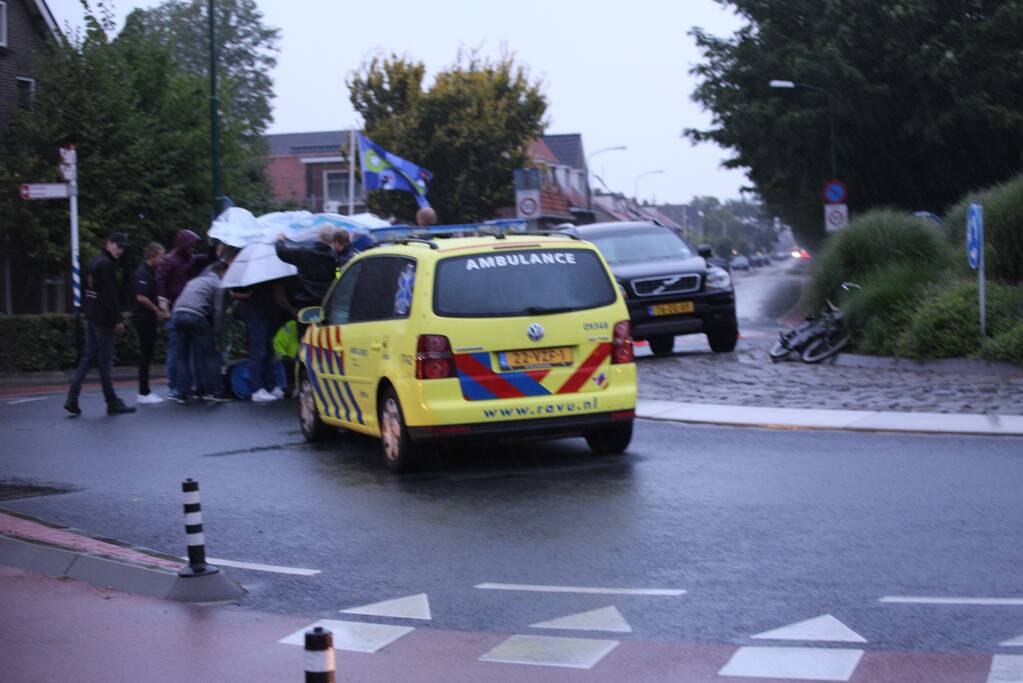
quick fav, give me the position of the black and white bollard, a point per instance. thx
(199, 581)
(319, 656)
(193, 532)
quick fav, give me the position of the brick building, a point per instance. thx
(25, 26)
(310, 170)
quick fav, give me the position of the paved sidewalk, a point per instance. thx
(852, 420)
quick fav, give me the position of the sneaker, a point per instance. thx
(71, 405)
(119, 407)
(217, 398)
(263, 396)
(178, 398)
(277, 392)
(149, 398)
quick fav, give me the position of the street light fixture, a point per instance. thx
(589, 191)
(635, 183)
(788, 85)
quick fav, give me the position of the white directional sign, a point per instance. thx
(836, 216)
(44, 191)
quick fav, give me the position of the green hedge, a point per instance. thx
(47, 342)
(1003, 229)
(947, 323)
(872, 243)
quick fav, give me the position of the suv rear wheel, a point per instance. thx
(400, 453)
(610, 440)
(662, 345)
(313, 428)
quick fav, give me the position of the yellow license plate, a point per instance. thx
(530, 359)
(673, 308)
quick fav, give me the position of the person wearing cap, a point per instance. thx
(102, 322)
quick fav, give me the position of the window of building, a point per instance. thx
(26, 92)
(3, 24)
(335, 186)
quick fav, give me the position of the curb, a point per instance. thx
(123, 373)
(126, 568)
(972, 366)
(841, 420)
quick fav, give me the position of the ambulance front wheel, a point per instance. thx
(610, 440)
(313, 428)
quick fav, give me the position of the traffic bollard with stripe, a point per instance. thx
(319, 656)
(193, 532)
(200, 581)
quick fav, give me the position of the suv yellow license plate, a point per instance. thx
(672, 309)
(531, 359)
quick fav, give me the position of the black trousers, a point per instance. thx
(146, 332)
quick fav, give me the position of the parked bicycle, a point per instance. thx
(820, 336)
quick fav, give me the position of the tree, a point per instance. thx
(141, 129)
(246, 52)
(738, 224)
(470, 129)
(927, 100)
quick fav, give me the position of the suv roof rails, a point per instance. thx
(552, 233)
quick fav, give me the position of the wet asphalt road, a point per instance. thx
(762, 528)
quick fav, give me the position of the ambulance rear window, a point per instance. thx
(521, 282)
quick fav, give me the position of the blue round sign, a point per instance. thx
(974, 234)
(835, 192)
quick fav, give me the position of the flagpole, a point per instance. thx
(352, 154)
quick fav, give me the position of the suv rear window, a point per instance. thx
(520, 282)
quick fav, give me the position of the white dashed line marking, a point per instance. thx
(668, 592)
(353, 636)
(572, 653)
(800, 663)
(923, 600)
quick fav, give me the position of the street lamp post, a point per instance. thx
(831, 115)
(214, 114)
(635, 183)
(589, 191)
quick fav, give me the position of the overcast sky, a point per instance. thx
(616, 72)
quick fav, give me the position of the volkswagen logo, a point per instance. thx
(535, 332)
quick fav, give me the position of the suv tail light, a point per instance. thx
(433, 357)
(621, 347)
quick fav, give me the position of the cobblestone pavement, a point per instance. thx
(748, 377)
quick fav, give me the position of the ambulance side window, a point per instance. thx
(384, 290)
(339, 306)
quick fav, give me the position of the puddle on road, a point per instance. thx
(13, 490)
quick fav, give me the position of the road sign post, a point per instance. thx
(975, 255)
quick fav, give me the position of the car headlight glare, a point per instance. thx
(718, 278)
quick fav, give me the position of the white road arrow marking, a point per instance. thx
(1015, 642)
(410, 607)
(602, 619)
(823, 628)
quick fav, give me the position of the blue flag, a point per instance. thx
(382, 170)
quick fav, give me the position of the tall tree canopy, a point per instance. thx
(140, 124)
(470, 128)
(927, 100)
(246, 51)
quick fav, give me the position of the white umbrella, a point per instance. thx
(256, 263)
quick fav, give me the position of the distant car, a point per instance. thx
(781, 255)
(707, 252)
(759, 260)
(740, 262)
(668, 289)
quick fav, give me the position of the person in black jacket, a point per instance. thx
(102, 322)
(317, 263)
(145, 315)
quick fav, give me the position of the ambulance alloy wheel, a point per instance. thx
(313, 429)
(610, 440)
(400, 453)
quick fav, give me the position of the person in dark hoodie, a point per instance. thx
(179, 266)
(102, 321)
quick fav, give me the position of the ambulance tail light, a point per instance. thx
(433, 357)
(621, 346)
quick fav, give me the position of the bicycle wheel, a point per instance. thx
(827, 346)
(778, 351)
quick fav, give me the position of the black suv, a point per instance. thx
(668, 289)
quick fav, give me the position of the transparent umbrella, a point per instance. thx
(256, 263)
